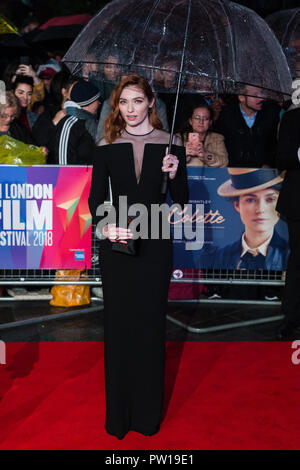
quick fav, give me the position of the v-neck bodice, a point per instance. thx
(138, 142)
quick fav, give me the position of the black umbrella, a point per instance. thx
(188, 45)
(286, 26)
(59, 32)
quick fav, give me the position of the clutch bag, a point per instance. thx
(129, 248)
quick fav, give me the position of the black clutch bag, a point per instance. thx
(129, 248)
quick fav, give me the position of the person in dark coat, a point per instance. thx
(134, 155)
(249, 126)
(44, 128)
(288, 206)
(74, 140)
(254, 194)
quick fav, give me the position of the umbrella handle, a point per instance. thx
(164, 184)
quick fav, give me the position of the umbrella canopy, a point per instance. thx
(227, 46)
(62, 27)
(286, 26)
(59, 32)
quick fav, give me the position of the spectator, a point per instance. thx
(44, 128)
(249, 126)
(103, 75)
(47, 72)
(13, 70)
(9, 125)
(207, 148)
(30, 24)
(23, 88)
(288, 206)
(74, 139)
(166, 82)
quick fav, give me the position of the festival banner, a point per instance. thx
(234, 206)
(45, 222)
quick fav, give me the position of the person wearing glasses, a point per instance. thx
(203, 147)
(9, 124)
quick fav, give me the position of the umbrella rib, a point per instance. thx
(145, 27)
(219, 52)
(164, 24)
(180, 72)
(231, 43)
(288, 24)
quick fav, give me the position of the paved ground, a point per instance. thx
(38, 321)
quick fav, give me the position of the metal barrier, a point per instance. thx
(44, 277)
(229, 277)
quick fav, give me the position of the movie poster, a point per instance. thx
(241, 228)
(45, 222)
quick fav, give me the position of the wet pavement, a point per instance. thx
(37, 320)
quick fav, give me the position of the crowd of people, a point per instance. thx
(217, 131)
(66, 115)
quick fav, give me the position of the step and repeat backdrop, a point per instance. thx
(45, 221)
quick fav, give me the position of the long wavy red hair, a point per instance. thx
(114, 123)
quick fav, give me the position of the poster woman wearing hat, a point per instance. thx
(254, 193)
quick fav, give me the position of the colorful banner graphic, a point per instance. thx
(238, 214)
(45, 222)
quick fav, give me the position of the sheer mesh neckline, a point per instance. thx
(139, 135)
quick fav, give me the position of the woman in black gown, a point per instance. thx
(133, 155)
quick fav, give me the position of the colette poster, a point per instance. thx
(45, 222)
(241, 228)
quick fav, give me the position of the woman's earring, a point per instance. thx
(150, 109)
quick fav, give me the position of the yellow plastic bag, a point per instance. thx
(71, 295)
(15, 152)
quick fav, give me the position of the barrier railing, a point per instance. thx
(45, 277)
(42, 277)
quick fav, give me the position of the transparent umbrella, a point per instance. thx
(286, 26)
(205, 46)
(224, 46)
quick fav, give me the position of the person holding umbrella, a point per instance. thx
(134, 154)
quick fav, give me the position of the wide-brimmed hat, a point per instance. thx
(244, 180)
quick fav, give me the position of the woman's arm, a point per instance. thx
(99, 185)
(99, 193)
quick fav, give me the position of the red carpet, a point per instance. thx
(218, 395)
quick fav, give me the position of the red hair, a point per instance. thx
(115, 124)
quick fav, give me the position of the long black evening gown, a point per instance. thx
(135, 288)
